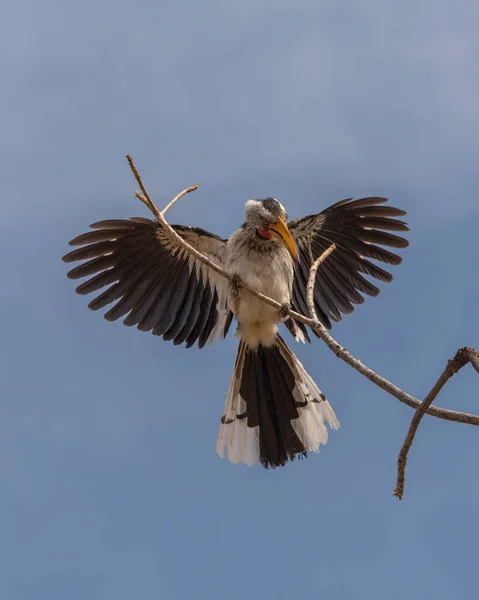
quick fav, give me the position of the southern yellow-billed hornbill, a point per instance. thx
(274, 410)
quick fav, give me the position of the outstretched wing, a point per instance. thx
(158, 286)
(358, 228)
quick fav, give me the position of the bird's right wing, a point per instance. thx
(359, 229)
(159, 286)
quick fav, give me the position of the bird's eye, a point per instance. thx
(266, 224)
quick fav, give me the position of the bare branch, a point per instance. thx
(313, 322)
(188, 190)
(383, 383)
(145, 197)
(462, 357)
(312, 280)
(149, 202)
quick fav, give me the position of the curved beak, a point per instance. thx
(281, 232)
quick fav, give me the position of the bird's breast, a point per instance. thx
(267, 268)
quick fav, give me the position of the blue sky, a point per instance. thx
(110, 486)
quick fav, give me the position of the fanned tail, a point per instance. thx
(274, 411)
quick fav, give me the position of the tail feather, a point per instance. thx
(312, 404)
(274, 411)
(242, 442)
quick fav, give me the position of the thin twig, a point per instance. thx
(145, 197)
(312, 280)
(462, 357)
(188, 190)
(313, 323)
(150, 203)
(386, 385)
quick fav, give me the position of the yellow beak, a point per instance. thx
(281, 232)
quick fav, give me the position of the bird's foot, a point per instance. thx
(284, 311)
(236, 285)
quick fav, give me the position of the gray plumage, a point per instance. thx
(274, 410)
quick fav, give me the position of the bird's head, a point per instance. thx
(269, 218)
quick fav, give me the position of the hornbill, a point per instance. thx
(274, 411)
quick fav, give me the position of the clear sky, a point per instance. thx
(110, 486)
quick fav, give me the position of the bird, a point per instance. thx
(274, 411)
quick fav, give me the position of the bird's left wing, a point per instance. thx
(358, 228)
(159, 286)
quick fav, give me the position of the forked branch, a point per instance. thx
(462, 357)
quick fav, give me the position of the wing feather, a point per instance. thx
(154, 284)
(209, 326)
(184, 309)
(360, 229)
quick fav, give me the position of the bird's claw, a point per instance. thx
(236, 285)
(284, 311)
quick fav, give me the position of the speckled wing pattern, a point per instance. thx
(156, 286)
(359, 228)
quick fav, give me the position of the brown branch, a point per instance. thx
(145, 197)
(188, 190)
(313, 322)
(387, 386)
(312, 279)
(150, 204)
(462, 357)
